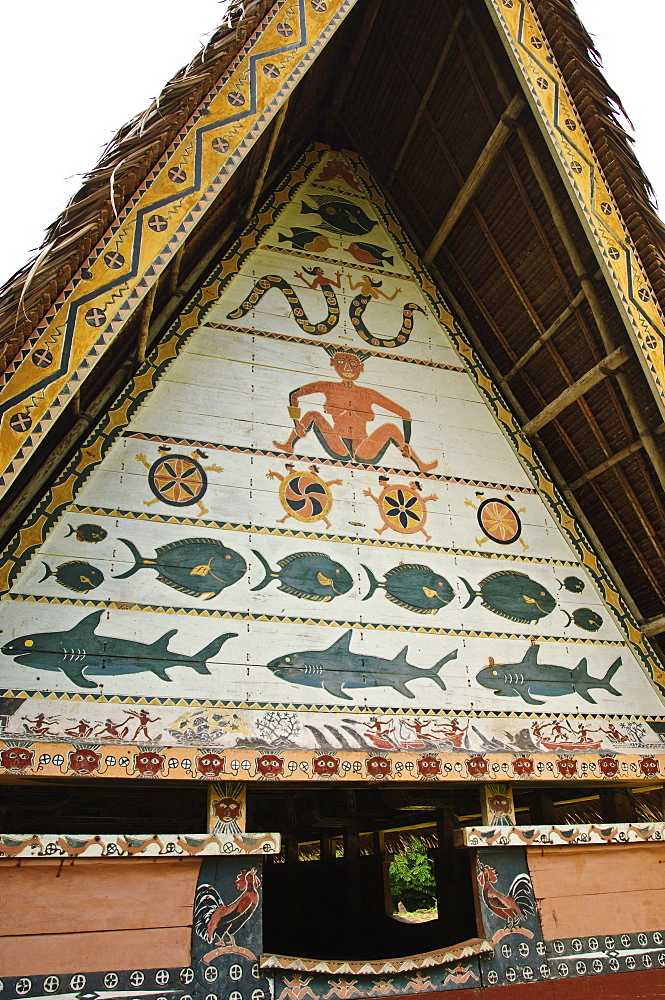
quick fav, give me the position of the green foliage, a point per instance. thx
(412, 878)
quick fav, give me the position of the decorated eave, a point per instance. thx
(490, 130)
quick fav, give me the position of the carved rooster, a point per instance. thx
(511, 907)
(218, 923)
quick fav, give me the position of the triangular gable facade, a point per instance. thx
(310, 524)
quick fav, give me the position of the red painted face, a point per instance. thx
(378, 767)
(149, 762)
(500, 805)
(227, 810)
(477, 767)
(16, 758)
(523, 766)
(210, 764)
(84, 761)
(608, 766)
(428, 767)
(567, 767)
(649, 766)
(270, 765)
(325, 765)
(348, 366)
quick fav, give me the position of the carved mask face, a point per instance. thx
(270, 765)
(567, 767)
(378, 767)
(325, 765)
(649, 766)
(16, 758)
(428, 766)
(500, 805)
(477, 767)
(84, 761)
(227, 810)
(148, 762)
(523, 766)
(210, 764)
(608, 766)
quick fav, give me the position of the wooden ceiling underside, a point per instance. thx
(426, 94)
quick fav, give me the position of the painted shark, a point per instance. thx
(336, 668)
(529, 677)
(79, 649)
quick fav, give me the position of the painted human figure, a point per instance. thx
(41, 725)
(372, 289)
(81, 729)
(614, 734)
(350, 407)
(112, 729)
(143, 719)
(319, 278)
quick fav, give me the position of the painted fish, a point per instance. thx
(336, 668)
(414, 587)
(200, 567)
(339, 215)
(369, 253)
(305, 239)
(87, 532)
(312, 575)
(585, 618)
(78, 576)
(512, 595)
(78, 649)
(573, 584)
(528, 678)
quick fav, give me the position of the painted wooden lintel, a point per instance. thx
(580, 834)
(426, 960)
(176, 845)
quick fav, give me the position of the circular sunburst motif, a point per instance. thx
(305, 496)
(177, 480)
(499, 521)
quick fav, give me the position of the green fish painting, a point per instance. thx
(573, 584)
(87, 532)
(585, 618)
(77, 576)
(313, 576)
(414, 587)
(512, 595)
(199, 567)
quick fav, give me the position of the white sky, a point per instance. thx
(72, 72)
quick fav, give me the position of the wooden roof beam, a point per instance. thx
(654, 627)
(630, 449)
(493, 146)
(578, 389)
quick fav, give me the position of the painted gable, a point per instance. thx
(311, 524)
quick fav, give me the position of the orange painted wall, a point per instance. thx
(89, 915)
(611, 889)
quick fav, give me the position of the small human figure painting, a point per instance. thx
(402, 507)
(304, 495)
(343, 434)
(529, 678)
(336, 668)
(178, 480)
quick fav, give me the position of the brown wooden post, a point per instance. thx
(617, 805)
(541, 807)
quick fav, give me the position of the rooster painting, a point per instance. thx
(218, 923)
(513, 906)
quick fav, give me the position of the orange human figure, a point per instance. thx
(351, 408)
(372, 289)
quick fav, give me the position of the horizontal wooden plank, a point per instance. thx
(620, 912)
(92, 895)
(583, 870)
(43, 954)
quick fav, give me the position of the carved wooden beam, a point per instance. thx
(493, 146)
(573, 392)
